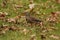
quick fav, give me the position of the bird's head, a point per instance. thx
(26, 13)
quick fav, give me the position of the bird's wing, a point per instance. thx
(35, 19)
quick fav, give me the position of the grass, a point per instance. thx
(19, 35)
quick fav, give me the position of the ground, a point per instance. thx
(43, 8)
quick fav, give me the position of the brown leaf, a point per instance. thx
(54, 36)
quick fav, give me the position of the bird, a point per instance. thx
(30, 19)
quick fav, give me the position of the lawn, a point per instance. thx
(42, 10)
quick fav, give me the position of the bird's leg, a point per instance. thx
(32, 24)
(28, 24)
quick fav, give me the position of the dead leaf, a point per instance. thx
(54, 36)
